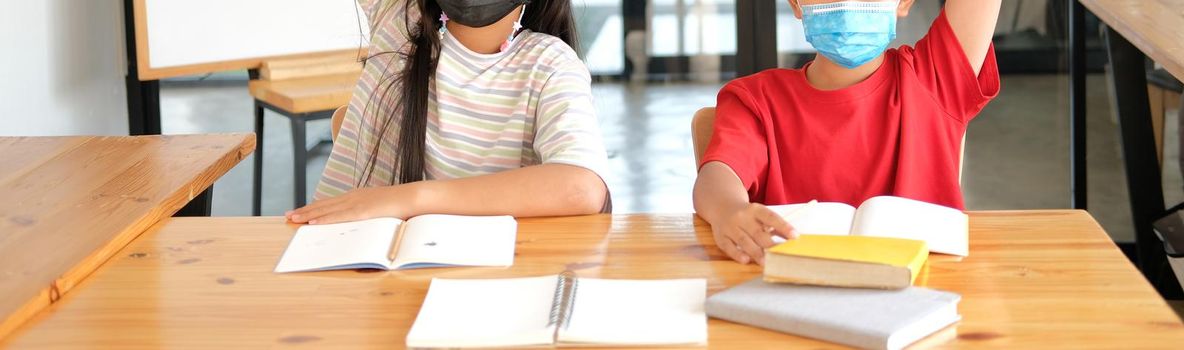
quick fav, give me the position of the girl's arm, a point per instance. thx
(973, 22)
(540, 190)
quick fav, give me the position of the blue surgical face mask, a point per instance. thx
(850, 33)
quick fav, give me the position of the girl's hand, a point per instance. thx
(746, 234)
(358, 204)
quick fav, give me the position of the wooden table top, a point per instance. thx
(70, 203)
(1154, 26)
(304, 95)
(1034, 278)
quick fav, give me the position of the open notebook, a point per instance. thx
(390, 243)
(560, 310)
(944, 229)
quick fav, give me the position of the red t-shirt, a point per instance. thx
(899, 132)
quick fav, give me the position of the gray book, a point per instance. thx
(864, 318)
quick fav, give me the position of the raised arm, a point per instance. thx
(973, 22)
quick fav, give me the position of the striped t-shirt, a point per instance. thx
(528, 105)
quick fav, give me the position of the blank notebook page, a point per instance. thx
(485, 313)
(317, 247)
(637, 312)
(458, 240)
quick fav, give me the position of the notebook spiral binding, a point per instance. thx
(564, 300)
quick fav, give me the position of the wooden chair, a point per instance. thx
(300, 89)
(338, 117)
(703, 123)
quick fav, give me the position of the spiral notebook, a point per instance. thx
(560, 310)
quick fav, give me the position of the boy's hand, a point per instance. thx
(745, 234)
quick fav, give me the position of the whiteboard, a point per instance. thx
(181, 37)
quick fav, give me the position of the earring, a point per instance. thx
(443, 24)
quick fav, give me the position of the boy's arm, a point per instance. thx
(973, 22)
(740, 228)
(718, 192)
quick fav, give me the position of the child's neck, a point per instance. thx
(487, 39)
(825, 74)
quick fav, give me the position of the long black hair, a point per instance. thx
(406, 92)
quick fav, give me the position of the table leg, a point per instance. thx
(143, 97)
(200, 205)
(1138, 149)
(1078, 196)
(257, 183)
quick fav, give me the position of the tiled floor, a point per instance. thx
(1016, 157)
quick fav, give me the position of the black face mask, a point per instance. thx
(478, 13)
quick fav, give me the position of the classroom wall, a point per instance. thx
(62, 71)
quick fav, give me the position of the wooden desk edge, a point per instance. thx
(178, 199)
(1133, 36)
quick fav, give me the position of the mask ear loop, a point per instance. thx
(443, 24)
(514, 33)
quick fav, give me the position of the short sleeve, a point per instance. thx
(390, 24)
(370, 7)
(943, 69)
(738, 138)
(566, 128)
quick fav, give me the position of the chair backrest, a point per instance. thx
(338, 117)
(701, 126)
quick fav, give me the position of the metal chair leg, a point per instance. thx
(299, 160)
(257, 185)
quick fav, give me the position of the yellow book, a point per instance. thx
(846, 261)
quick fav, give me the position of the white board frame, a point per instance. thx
(187, 37)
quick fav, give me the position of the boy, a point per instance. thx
(855, 123)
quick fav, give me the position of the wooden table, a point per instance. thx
(1151, 25)
(1033, 279)
(1137, 29)
(70, 203)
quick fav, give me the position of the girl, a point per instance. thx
(468, 107)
